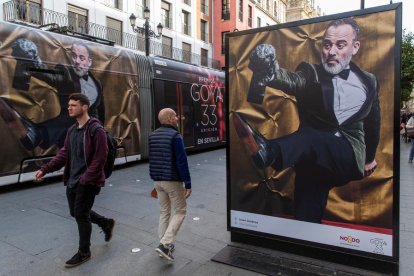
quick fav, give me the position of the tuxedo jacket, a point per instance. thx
(65, 80)
(314, 93)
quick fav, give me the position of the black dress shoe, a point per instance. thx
(33, 137)
(108, 229)
(256, 145)
(27, 132)
(78, 258)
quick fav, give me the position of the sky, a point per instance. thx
(338, 6)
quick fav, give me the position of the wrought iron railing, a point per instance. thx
(186, 56)
(35, 15)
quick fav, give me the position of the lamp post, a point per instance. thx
(146, 30)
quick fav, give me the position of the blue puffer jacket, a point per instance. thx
(167, 157)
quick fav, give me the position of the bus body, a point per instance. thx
(126, 89)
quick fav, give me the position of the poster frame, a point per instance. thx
(374, 262)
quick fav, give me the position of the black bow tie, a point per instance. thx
(85, 77)
(343, 74)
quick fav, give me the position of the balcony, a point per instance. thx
(35, 16)
(186, 56)
(27, 12)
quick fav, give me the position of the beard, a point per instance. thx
(335, 69)
(80, 72)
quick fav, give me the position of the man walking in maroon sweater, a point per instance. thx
(83, 155)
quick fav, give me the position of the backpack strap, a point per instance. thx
(94, 127)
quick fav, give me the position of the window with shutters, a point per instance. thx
(78, 19)
(166, 19)
(114, 30)
(186, 23)
(204, 57)
(186, 52)
(166, 46)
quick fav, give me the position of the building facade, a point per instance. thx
(186, 35)
(238, 15)
(194, 30)
(301, 9)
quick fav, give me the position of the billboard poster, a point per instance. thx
(197, 93)
(312, 142)
(39, 71)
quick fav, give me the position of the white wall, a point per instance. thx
(98, 12)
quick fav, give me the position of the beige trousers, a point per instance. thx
(170, 194)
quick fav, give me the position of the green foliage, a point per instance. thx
(407, 65)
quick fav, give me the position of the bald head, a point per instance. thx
(167, 116)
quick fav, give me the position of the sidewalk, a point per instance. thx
(37, 235)
(406, 212)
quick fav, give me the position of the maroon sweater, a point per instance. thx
(95, 151)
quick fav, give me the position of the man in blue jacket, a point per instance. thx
(169, 169)
(83, 155)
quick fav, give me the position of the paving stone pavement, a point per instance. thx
(37, 234)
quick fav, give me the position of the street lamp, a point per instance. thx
(146, 30)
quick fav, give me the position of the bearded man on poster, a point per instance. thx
(339, 115)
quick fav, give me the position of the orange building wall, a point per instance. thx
(220, 25)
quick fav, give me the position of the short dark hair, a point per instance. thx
(346, 21)
(80, 97)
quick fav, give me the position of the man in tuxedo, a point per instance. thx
(67, 80)
(339, 117)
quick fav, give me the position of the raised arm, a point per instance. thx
(267, 73)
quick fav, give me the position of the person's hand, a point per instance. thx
(187, 193)
(369, 168)
(39, 175)
(263, 63)
(26, 49)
